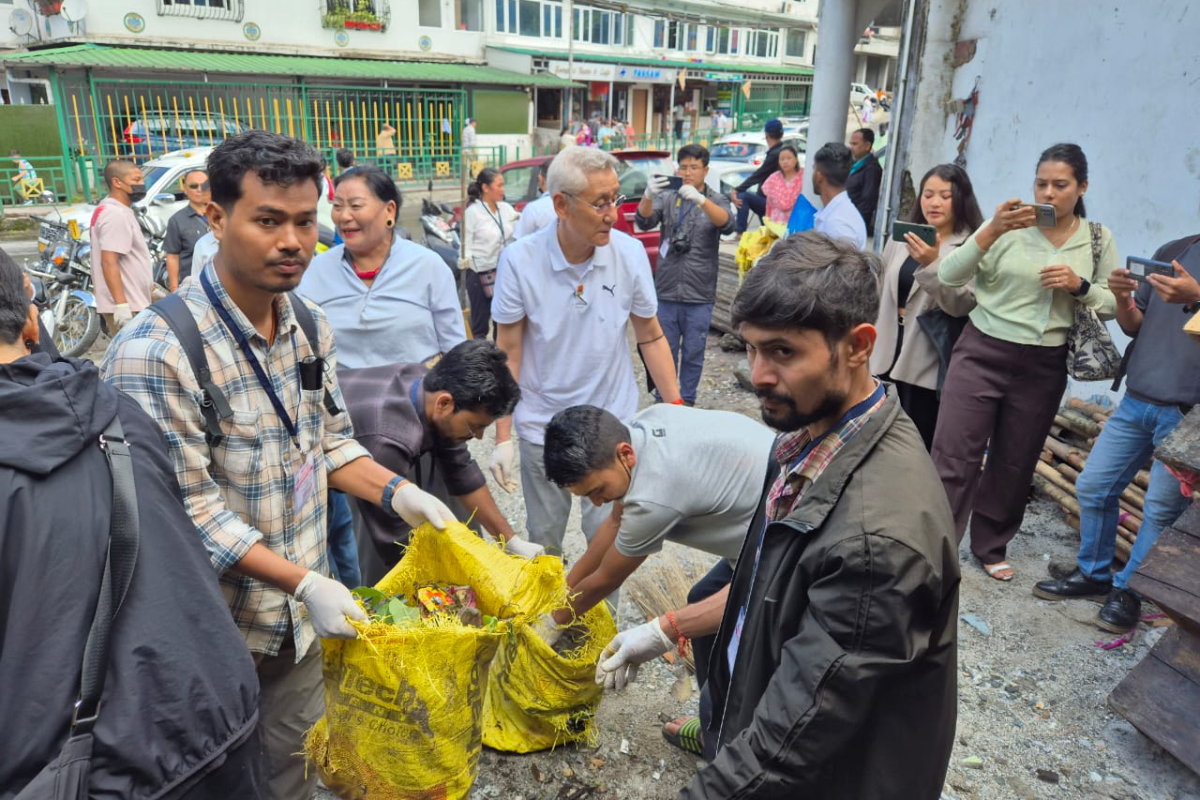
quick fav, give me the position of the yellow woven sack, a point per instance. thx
(756, 244)
(403, 705)
(538, 699)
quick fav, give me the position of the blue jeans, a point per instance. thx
(686, 327)
(1128, 439)
(343, 549)
(751, 201)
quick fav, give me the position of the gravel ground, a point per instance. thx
(1033, 720)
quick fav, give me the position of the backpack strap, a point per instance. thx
(308, 324)
(214, 406)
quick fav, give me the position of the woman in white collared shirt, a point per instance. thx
(488, 226)
(904, 352)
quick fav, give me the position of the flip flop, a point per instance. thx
(992, 569)
(687, 738)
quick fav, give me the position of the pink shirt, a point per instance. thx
(116, 230)
(781, 195)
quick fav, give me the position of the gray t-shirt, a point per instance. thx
(1165, 366)
(698, 480)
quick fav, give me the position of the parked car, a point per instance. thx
(743, 151)
(860, 92)
(636, 167)
(154, 135)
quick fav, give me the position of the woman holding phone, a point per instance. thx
(904, 352)
(1008, 371)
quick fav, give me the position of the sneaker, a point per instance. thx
(1073, 586)
(731, 237)
(1120, 612)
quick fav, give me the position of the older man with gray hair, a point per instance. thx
(564, 298)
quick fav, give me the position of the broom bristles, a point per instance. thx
(662, 588)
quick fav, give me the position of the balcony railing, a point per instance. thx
(230, 10)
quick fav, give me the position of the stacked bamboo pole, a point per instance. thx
(1076, 428)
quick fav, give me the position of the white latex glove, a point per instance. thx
(502, 465)
(121, 315)
(657, 185)
(691, 194)
(464, 263)
(416, 506)
(627, 651)
(548, 630)
(329, 603)
(519, 547)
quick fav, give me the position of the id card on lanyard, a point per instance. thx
(665, 246)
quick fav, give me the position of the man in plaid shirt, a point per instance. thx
(257, 495)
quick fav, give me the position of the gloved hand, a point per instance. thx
(657, 185)
(519, 547)
(329, 603)
(416, 506)
(502, 465)
(548, 630)
(121, 315)
(692, 194)
(464, 263)
(627, 651)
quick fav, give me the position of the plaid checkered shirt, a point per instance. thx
(789, 487)
(241, 491)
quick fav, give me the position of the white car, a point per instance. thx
(743, 152)
(860, 92)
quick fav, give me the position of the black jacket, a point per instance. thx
(845, 682)
(863, 188)
(181, 690)
(769, 167)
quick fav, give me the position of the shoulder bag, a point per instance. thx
(1091, 355)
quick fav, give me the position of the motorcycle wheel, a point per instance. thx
(78, 328)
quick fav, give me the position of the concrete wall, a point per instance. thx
(1119, 80)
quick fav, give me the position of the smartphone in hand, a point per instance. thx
(1140, 269)
(1047, 217)
(674, 182)
(926, 233)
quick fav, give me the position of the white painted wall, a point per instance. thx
(1119, 80)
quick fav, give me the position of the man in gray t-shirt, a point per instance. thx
(1162, 385)
(691, 476)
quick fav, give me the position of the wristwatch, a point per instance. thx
(1084, 288)
(1192, 308)
(389, 492)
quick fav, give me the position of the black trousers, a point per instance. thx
(481, 306)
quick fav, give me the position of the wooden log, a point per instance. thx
(1064, 499)
(1091, 409)
(1065, 452)
(1055, 477)
(1142, 479)
(1076, 423)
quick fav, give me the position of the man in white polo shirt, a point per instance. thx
(839, 218)
(539, 213)
(564, 299)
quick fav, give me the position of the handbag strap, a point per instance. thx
(1094, 229)
(118, 572)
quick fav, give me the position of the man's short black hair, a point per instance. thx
(276, 159)
(476, 375)
(834, 161)
(698, 152)
(544, 169)
(345, 158)
(14, 300)
(810, 281)
(117, 169)
(867, 135)
(580, 440)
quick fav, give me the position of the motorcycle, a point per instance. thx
(62, 282)
(442, 237)
(155, 233)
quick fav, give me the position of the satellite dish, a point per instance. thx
(74, 10)
(20, 22)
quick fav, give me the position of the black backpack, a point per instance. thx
(214, 406)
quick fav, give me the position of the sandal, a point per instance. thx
(687, 738)
(994, 570)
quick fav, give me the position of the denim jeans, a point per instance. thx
(751, 201)
(686, 327)
(343, 548)
(1128, 439)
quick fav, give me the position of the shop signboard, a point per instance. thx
(646, 75)
(582, 71)
(722, 77)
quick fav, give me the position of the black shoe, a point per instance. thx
(1120, 612)
(1073, 586)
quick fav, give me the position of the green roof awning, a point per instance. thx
(698, 65)
(127, 58)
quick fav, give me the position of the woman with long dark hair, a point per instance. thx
(488, 226)
(904, 352)
(1008, 371)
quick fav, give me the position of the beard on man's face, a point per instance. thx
(789, 418)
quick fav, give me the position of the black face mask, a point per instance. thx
(137, 191)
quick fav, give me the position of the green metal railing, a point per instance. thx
(53, 175)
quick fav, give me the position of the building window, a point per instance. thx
(357, 14)
(762, 44)
(468, 15)
(722, 40)
(660, 33)
(208, 9)
(796, 43)
(533, 18)
(429, 13)
(602, 27)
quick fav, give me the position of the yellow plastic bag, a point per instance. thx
(403, 709)
(538, 699)
(756, 244)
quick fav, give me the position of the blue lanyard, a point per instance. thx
(248, 352)
(682, 217)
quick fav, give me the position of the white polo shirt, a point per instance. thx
(574, 349)
(535, 216)
(841, 220)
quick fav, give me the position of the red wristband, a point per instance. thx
(678, 402)
(682, 643)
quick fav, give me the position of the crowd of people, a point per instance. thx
(290, 420)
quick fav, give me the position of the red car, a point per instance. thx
(521, 187)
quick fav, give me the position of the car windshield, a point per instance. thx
(153, 175)
(737, 151)
(635, 173)
(517, 181)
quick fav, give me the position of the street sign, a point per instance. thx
(723, 77)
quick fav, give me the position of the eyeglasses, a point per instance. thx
(203, 187)
(690, 168)
(602, 207)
